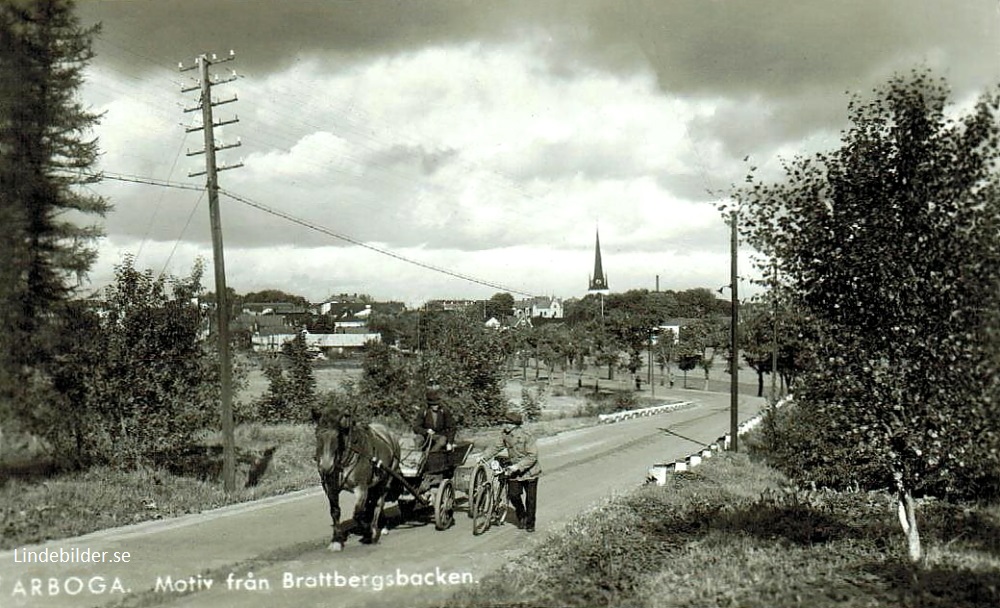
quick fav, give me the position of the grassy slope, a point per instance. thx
(733, 533)
(77, 503)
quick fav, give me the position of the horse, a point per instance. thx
(355, 457)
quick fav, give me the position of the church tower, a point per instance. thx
(599, 280)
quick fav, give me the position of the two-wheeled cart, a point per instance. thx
(427, 479)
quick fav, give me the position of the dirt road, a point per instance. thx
(273, 552)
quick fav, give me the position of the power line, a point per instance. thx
(207, 80)
(183, 230)
(159, 202)
(358, 125)
(354, 241)
(139, 179)
(311, 226)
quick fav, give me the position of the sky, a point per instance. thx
(430, 149)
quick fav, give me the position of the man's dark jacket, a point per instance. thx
(444, 425)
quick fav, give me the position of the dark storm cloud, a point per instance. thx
(781, 48)
(755, 74)
(756, 126)
(801, 55)
(789, 66)
(270, 34)
(710, 48)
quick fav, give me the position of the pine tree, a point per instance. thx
(45, 153)
(301, 380)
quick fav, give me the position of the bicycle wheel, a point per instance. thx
(481, 500)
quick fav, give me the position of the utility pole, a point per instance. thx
(649, 352)
(205, 104)
(734, 419)
(774, 331)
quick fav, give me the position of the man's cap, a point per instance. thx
(513, 417)
(433, 396)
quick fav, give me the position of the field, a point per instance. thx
(329, 376)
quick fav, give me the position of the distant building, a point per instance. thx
(599, 280)
(273, 308)
(450, 305)
(358, 313)
(269, 341)
(340, 302)
(674, 325)
(541, 307)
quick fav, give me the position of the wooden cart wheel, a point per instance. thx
(480, 500)
(444, 505)
(466, 481)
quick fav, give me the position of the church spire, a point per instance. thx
(599, 281)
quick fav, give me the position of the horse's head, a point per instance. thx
(333, 433)
(327, 448)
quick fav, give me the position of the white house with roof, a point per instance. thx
(672, 325)
(338, 343)
(544, 307)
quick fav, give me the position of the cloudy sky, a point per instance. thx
(487, 138)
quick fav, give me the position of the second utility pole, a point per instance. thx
(734, 418)
(221, 293)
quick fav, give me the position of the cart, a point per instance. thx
(428, 479)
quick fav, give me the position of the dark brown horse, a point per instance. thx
(355, 457)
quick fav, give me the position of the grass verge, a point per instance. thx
(70, 504)
(734, 533)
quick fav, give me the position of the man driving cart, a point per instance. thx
(434, 425)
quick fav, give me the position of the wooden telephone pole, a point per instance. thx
(774, 332)
(205, 104)
(734, 418)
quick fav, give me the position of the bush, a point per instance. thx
(464, 359)
(136, 378)
(793, 440)
(606, 403)
(798, 441)
(625, 400)
(531, 404)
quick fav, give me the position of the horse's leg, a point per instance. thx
(362, 513)
(333, 497)
(376, 528)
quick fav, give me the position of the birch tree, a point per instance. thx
(891, 244)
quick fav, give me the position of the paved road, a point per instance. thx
(223, 557)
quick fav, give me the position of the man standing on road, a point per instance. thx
(523, 472)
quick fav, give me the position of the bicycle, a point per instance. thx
(488, 505)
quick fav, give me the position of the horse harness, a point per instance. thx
(347, 467)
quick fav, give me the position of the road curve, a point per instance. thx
(222, 557)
